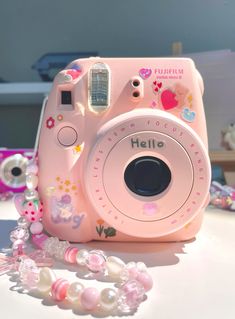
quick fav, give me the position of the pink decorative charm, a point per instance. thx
(70, 255)
(59, 289)
(96, 261)
(89, 298)
(131, 294)
(39, 240)
(145, 73)
(19, 234)
(33, 210)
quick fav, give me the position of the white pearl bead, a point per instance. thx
(114, 266)
(81, 257)
(108, 299)
(74, 291)
(36, 228)
(31, 181)
(46, 278)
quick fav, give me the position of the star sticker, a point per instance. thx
(67, 182)
(77, 149)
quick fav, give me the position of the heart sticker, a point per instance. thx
(145, 73)
(74, 73)
(188, 115)
(168, 99)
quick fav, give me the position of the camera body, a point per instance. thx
(13, 163)
(123, 151)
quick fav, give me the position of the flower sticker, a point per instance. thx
(50, 122)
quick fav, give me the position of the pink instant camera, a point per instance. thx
(123, 151)
(13, 163)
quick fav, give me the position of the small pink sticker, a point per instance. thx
(150, 209)
(145, 73)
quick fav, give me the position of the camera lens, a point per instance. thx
(16, 171)
(147, 176)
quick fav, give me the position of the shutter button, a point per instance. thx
(67, 136)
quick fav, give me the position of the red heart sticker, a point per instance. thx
(168, 99)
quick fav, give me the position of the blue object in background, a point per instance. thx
(51, 63)
(218, 174)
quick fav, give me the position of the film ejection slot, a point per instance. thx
(99, 87)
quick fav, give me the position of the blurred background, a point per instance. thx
(202, 29)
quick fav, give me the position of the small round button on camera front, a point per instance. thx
(67, 136)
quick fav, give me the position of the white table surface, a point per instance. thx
(193, 280)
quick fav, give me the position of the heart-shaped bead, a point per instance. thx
(114, 266)
(46, 279)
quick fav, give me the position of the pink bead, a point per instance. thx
(146, 280)
(131, 294)
(36, 228)
(89, 298)
(133, 272)
(70, 254)
(96, 261)
(59, 289)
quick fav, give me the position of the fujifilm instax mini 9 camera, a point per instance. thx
(123, 151)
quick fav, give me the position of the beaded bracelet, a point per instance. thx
(131, 280)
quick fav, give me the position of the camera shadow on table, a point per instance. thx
(152, 254)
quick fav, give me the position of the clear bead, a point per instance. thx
(50, 245)
(19, 233)
(31, 181)
(130, 271)
(54, 247)
(130, 295)
(95, 261)
(60, 249)
(108, 299)
(32, 168)
(30, 194)
(22, 222)
(74, 291)
(81, 257)
(29, 273)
